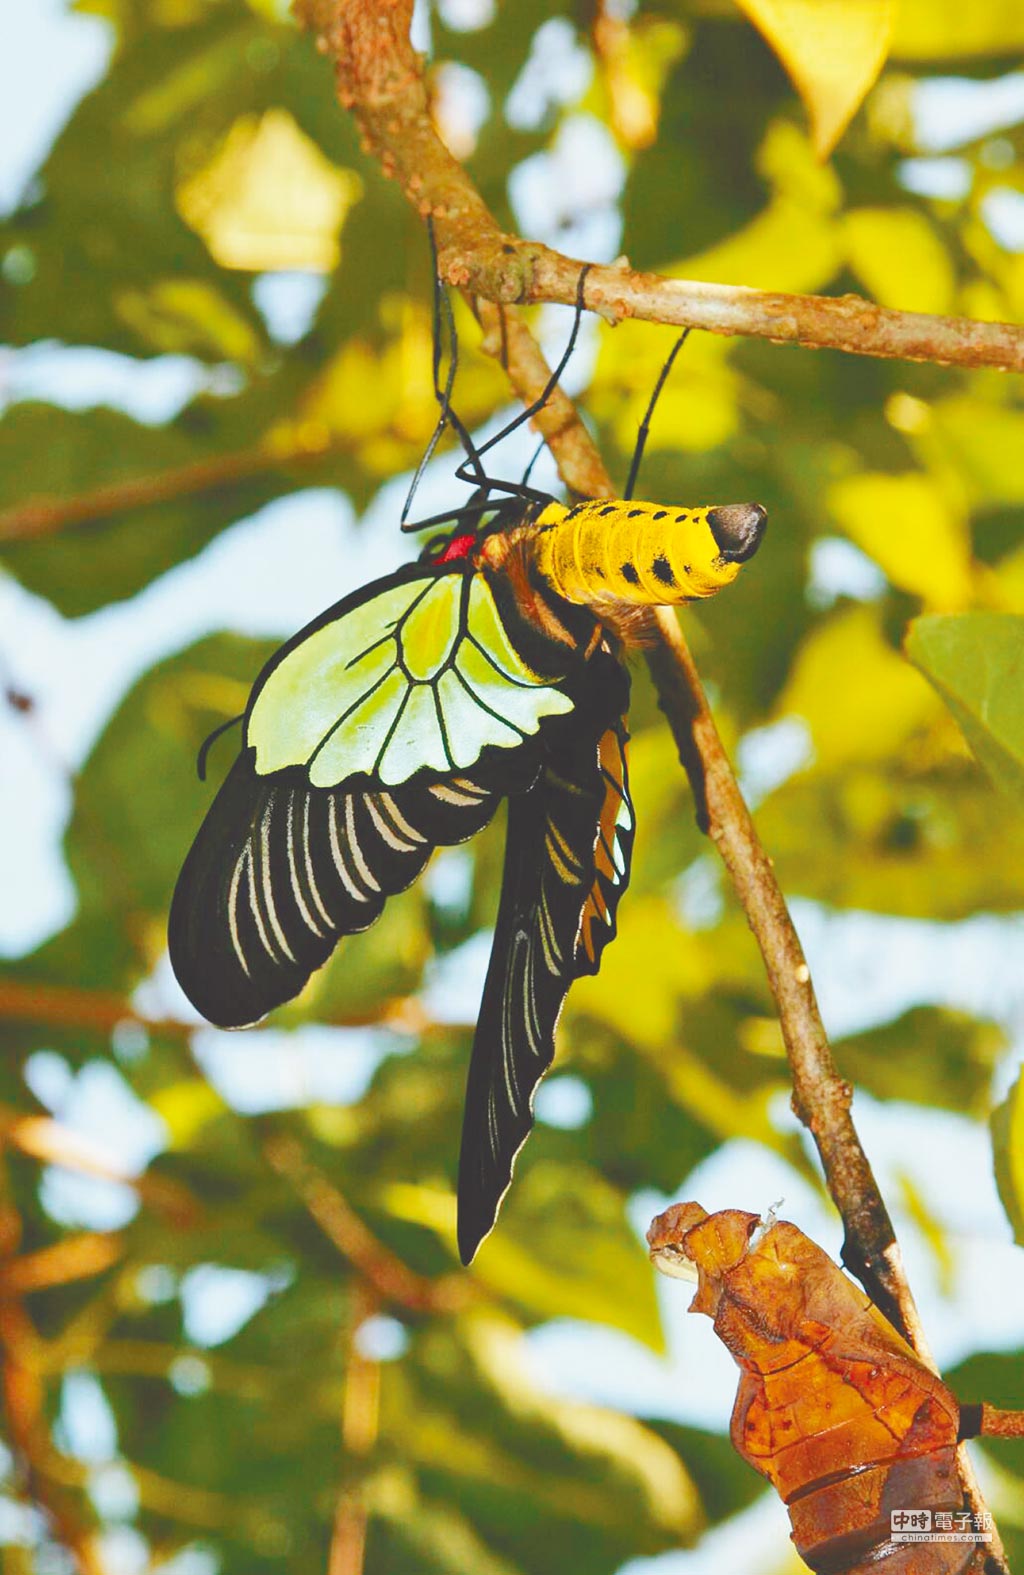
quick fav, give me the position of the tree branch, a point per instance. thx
(45, 515)
(42, 1138)
(102, 1011)
(379, 78)
(835, 322)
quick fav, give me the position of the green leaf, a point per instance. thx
(565, 1249)
(552, 1484)
(976, 662)
(1008, 1152)
(144, 282)
(928, 1056)
(138, 804)
(998, 1377)
(724, 1480)
(410, 1535)
(60, 454)
(925, 844)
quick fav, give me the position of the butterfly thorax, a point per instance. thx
(540, 622)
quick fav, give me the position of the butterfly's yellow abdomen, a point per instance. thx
(643, 553)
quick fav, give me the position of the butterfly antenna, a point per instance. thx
(538, 451)
(442, 307)
(552, 382)
(443, 396)
(211, 738)
(645, 425)
(479, 475)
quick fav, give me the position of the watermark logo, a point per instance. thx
(940, 1525)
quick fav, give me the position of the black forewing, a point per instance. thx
(567, 856)
(280, 870)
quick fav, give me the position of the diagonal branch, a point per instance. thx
(379, 78)
(379, 1269)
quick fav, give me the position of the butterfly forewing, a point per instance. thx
(280, 870)
(567, 857)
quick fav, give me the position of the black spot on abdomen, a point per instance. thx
(629, 572)
(662, 571)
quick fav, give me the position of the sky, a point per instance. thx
(266, 576)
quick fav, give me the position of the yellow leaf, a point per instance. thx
(900, 259)
(187, 1106)
(269, 198)
(833, 51)
(1008, 577)
(950, 29)
(697, 409)
(982, 442)
(859, 697)
(792, 244)
(636, 58)
(906, 524)
(422, 1205)
(183, 316)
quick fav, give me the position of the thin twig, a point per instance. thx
(103, 1011)
(43, 1138)
(78, 1257)
(834, 322)
(46, 514)
(23, 1399)
(360, 1414)
(990, 1421)
(392, 1281)
(380, 79)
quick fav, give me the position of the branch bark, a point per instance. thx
(840, 322)
(380, 79)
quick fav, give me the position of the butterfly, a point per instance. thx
(397, 722)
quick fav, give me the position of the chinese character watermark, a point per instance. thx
(941, 1525)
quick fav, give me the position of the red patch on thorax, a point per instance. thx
(458, 547)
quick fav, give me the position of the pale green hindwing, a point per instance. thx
(422, 675)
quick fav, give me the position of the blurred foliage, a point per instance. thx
(1008, 1141)
(210, 156)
